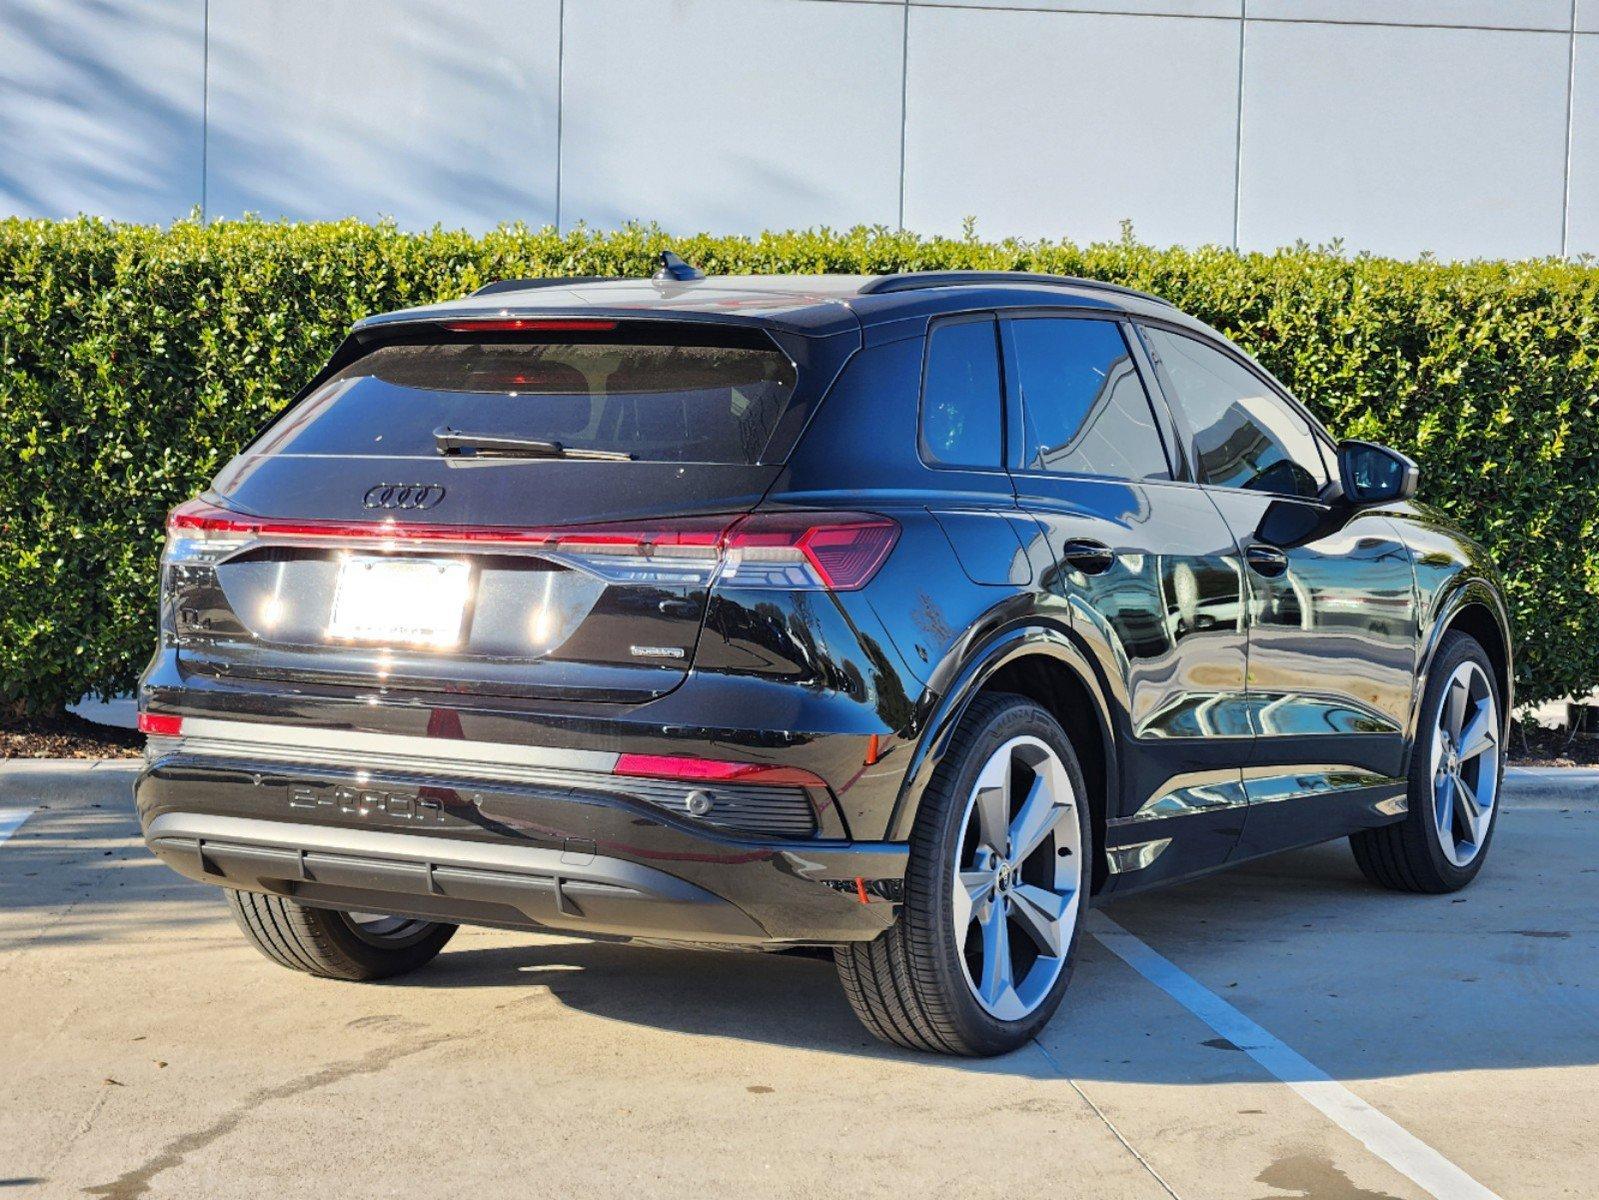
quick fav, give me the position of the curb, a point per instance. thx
(41, 766)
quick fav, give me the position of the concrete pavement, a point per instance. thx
(149, 1051)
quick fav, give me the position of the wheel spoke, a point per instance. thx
(1470, 806)
(996, 954)
(993, 816)
(1036, 821)
(1039, 911)
(1454, 714)
(1444, 804)
(971, 889)
(1478, 735)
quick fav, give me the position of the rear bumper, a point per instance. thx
(529, 848)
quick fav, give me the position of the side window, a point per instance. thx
(961, 399)
(1244, 434)
(1084, 408)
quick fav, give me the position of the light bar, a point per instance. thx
(798, 551)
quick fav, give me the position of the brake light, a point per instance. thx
(711, 770)
(529, 325)
(160, 725)
(806, 551)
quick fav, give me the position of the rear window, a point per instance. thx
(658, 401)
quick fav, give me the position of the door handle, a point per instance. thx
(1266, 560)
(1088, 556)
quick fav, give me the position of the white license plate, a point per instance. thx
(413, 601)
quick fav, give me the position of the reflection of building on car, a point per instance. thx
(903, 616)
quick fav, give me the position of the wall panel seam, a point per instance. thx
(904, 101)
(1238, 126)
(1571, 101)
(205, 111)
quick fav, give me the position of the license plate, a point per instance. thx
(413, 601)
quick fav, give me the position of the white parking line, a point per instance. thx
(1384, 1137)
(11, 820)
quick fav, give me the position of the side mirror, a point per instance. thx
(1373, 474)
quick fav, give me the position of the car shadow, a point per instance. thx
(1363, 982)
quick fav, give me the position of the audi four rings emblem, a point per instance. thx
(409, 496)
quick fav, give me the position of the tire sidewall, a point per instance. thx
(932, 877)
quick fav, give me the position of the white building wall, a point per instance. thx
(1461, 127)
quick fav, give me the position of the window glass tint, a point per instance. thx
(1085, 408)
(665, 402)
(961, 400)
(1245, 436)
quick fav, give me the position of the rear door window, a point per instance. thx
(1084, 407)
(702, 401)
(961, 397)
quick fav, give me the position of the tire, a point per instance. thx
(335, 945)
(1417, 854)
(921, 986)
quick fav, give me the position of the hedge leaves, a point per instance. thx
(134, 361)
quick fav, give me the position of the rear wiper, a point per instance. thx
(454, 441)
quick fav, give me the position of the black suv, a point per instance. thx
(899, 615)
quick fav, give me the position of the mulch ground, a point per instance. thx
(1553, 748)
(71, 736)
(67, 736)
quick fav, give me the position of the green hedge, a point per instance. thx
(136, 360)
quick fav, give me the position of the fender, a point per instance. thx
(1003, 647)
(1459, 592)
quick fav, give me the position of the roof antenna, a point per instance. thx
(673, 267)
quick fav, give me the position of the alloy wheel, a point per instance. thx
(1465, 764)
(1017, 878)
(381, 929)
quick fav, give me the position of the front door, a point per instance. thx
(1333, 633)
(1152, 580)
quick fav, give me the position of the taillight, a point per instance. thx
(821, 551)
(201, 532)
(836, 552)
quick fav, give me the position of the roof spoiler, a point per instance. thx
(668, 267)
(528, 285)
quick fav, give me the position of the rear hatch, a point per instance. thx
(498, 507)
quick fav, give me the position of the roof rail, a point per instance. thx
(910, 281)
(527, 285)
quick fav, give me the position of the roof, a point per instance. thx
(807, 304)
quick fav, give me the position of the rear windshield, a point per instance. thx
(667, 402)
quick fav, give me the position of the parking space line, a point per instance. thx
(1383, 1136)
(11, 820)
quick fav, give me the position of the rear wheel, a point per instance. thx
(336, 945)
(984, 945)
(1455, 773)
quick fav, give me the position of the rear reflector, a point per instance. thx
(711, 770)
(529, 325)
(160, 725)
(790, 551)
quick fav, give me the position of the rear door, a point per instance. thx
(1149, 574)
(1333, 634)
(513, 508)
